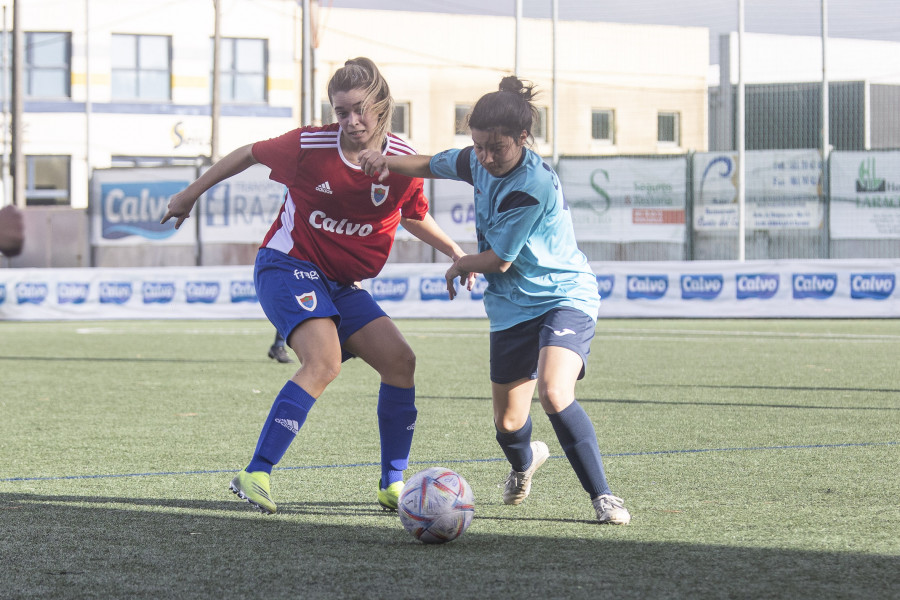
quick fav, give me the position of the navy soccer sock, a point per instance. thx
(396, 425)
(284, 421)
(516, 446)
(578, 439)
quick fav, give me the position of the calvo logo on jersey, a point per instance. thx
(379, 193)
(756, 285)
(390, 288)
(128, 209)
(75, 292)
(158, 292)
(875, 286)
(115, 292)
(205, 292)
(649, 287)
(814, 285)
(433, 288)
(702, 287)
(28, 292)
(605, 285)
(308, 301)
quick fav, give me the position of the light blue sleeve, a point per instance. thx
(512, 230)
(443, 164)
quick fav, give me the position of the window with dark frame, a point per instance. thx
(141, 67)
(48, 64)
(243, 73)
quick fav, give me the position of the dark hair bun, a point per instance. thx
(510, 83)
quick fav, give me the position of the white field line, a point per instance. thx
(646, 334)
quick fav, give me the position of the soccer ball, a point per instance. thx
(436, 505)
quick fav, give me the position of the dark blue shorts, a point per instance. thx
(291, 291)
(514, 351)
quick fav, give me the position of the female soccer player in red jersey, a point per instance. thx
(335, 228)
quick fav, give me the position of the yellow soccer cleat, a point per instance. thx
(254, 488)
(389, 497)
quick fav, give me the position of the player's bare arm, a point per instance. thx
(467, 266)
(412, 166)
(181, 204)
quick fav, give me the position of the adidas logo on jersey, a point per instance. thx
(325, 188)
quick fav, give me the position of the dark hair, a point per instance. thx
(508, 110)
(362, 74)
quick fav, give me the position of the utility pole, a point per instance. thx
(18, 107)
(216, 107)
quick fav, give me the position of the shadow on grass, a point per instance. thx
(105, 547)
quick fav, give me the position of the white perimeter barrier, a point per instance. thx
(707, 289)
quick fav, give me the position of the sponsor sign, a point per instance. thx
(127, 205)
(157, 292)
(649, 287)
(115, 292)
(760, 286)
(865, 195)
(819, 286)
(605, 285)
(783, 190)
(72, 292)
(622, 199)
(31, 293)
(874, 286)
(242, 208)
(206, 292)
(392, 289)
(242, 291)
(702, 287)
(477, 292)
(433, 288)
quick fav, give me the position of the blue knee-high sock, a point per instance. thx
(578, 439)
(516, 446)
(284, 421)
(396, 425)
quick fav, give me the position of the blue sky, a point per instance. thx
(865, 19)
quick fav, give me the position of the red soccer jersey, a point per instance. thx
(336, 216)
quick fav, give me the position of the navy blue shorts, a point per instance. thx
(291, 291)
(514, 351)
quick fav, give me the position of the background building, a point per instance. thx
(112, 83)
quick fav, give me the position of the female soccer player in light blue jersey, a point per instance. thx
(541, 299)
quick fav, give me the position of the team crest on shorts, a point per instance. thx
(307, 301)
(379, 193)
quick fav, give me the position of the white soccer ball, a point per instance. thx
(436, 505)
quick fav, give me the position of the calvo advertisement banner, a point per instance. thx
(126, 206)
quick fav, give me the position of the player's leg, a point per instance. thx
(302, 307)
(381, 345)
(561, 363)
(513, 366)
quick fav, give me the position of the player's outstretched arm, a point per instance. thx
(415, 165)
(467, 266)
(181, 204)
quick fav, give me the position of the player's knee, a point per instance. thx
(322, 370)
(555, 398)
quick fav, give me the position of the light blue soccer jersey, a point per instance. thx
(524, 219)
